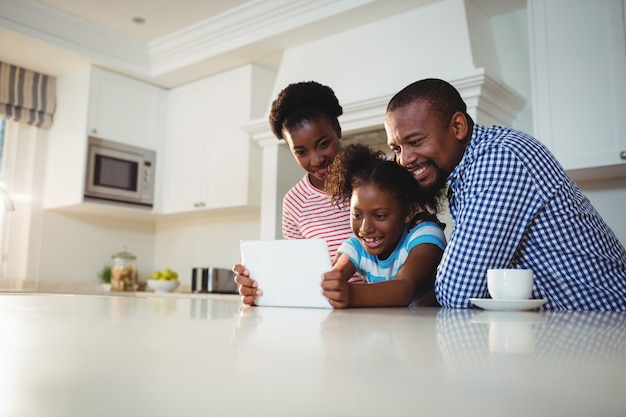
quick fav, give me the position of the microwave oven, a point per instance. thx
(120, 173)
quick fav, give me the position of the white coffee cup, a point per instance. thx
(510, 284)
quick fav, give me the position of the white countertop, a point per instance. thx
(90, 355)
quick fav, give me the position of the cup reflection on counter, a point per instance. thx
(510, 331)
(468, 332)
(470, 339)
(511, 338)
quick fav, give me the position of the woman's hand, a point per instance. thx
(335, 287)
(247, 286)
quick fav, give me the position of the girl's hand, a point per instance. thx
(334, 284)
(247, 286)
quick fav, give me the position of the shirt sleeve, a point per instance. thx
(351, 248)
(495, 205)
(289, 222)
(426, 232)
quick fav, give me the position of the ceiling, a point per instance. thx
(180, 40)
(162, 17)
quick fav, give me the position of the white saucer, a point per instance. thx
(508, 305)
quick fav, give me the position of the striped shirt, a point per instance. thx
(372, 269)
(308, 214)
(514, 206)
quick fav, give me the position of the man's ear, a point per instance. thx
(459, 125)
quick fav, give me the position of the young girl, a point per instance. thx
(396, 244)
(305, 116)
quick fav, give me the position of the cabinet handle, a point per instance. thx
(622, 154)
(198, 204)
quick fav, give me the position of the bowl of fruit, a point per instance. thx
(163, 281)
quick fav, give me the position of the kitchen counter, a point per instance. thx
(153, 355)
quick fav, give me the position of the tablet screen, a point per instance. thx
(289, 272)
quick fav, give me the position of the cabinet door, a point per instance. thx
(66, 144)
(125, 110)
(187, 136)
(229, 151)
(579, 81)
(210, 163)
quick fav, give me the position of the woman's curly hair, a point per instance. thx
(301, 102)
(357, 165)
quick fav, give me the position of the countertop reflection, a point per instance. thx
(131, 356)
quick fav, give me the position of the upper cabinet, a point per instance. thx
(96, 102)
(187, 147)
(578, 54)
(205, 160)
(125, 110)
(211, 164)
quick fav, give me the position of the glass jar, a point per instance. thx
(123, 272)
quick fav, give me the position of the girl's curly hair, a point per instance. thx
(357, 165)
(300, 102)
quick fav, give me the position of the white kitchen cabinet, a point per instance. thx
(187, 136)
(99, 103)
(124, 109)
(578, 56)
(211, 163)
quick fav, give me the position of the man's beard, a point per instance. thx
(432, 195)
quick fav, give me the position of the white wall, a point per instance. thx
(209, 241)
(609, 198)
(75, 247)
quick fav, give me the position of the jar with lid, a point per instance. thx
(123, 272)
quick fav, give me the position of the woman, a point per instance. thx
(305, 115)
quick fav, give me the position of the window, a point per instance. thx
(2, 124)
(6, 203)
(3, 234)
(16, 179)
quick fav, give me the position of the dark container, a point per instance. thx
(213, 280)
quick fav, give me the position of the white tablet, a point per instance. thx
(289, 272)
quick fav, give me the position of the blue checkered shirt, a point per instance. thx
(513, 206)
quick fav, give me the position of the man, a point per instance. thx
(512, 204)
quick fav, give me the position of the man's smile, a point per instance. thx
(420, 171)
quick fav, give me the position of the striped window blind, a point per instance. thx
(27, 96)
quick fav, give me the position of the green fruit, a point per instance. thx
(166, 274)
